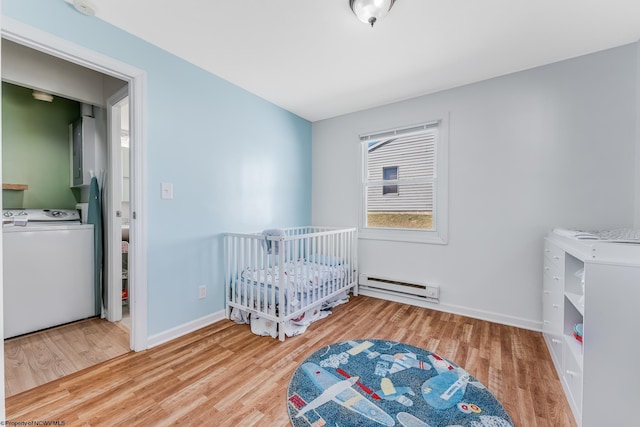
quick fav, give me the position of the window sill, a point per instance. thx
(399, 235)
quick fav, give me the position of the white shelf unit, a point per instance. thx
(598, 374)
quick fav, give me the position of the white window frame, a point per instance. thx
(439, 233)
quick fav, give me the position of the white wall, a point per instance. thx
(548, 147)
(36, 70)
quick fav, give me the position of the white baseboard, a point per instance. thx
(184, 329)
(518, 322)
(463, 311)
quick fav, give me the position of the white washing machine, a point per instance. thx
(47, 269)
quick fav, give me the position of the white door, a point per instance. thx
(115, 192)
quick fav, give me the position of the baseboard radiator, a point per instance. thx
(418, 291)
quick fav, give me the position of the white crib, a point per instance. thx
(279, 275)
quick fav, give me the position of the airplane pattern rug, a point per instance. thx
(387, 383)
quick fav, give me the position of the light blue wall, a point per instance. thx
(237, 162)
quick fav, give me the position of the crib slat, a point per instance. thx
(281, 286)
(276, 282)
(246, 268)
(227, 278)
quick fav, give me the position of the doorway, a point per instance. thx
(52, 320)
(135, 79)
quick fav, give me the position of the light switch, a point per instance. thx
(167, 191)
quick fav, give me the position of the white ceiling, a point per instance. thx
(316, 59)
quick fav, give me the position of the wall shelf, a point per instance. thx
(15, 187)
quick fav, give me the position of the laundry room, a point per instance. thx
(54, 164)
(49, 262)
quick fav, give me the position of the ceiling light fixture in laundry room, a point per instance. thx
(42, 96)
(371, 11)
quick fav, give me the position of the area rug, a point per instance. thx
(387, 383)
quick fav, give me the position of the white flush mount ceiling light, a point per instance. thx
(370, 11)
(85, 7)
(42, 96)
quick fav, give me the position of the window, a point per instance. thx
(390, 174)
(410, 206)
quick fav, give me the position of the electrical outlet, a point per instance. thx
(202, 292)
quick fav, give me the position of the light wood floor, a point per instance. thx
(222, 375)
(38, 358)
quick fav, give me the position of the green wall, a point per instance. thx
(35, 149)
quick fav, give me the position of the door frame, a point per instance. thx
(113, 275)
(136, 78)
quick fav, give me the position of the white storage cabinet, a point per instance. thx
(600, 375)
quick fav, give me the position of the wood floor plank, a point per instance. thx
(34, 359)
(223, 375)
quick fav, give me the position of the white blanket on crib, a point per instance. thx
(303, 279)
(300, 276)
(297, 326)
